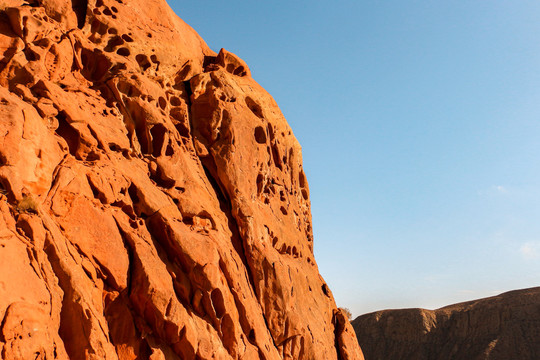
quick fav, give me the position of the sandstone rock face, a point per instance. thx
(152, 199)
(497, 328)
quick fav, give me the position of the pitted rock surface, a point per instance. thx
(152, 199)
(502, 327)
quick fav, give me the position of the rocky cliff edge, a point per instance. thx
(152, 199)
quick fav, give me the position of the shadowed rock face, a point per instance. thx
(152, 199)
(502, 327)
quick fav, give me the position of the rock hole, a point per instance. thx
(274, 241)
(271, 132)
(5, 187)
(31, 55)
(133, 194)
(302, 179)
(305, 194)
(260, 183)
(209, 60)
(325, 290)
(107, 12)
(175, 101)
(112, 31)
(80, 7)
(127, 38)
(218, 302)
(276, 158)
(114, 147)
(251, 337)
(154, 59)
(113, 43)
(182, 129)
(95, 65)
(67, 132)
(143, 136)
(93, 156)
(283, 210)
(230, 68)
(114, 9)
(260, 135)
(254, 107)
(98, 27)
(240, 71)
(162, 103)
(123, 51)
(143, 62)
(158, 132)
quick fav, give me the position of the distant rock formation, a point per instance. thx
(502, 327)
(152, 199)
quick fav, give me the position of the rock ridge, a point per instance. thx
(506, 326)
(153, 203)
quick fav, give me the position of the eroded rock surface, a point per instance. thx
(152, 199)
(502, 327)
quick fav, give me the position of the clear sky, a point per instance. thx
(420, 128)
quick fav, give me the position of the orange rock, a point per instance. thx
(152, 199)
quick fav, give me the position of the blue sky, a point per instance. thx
(419, 123)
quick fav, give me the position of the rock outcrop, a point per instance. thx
(152, 199)
(502, 327)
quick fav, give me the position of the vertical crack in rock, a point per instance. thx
(210, 169)
(75, 334)
(225, 205)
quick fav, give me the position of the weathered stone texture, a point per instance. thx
(152, 199)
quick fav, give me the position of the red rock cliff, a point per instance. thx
(152, 198)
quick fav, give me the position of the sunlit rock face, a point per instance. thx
(502, 327)
(152, 199)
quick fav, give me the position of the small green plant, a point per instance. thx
(27, 204)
